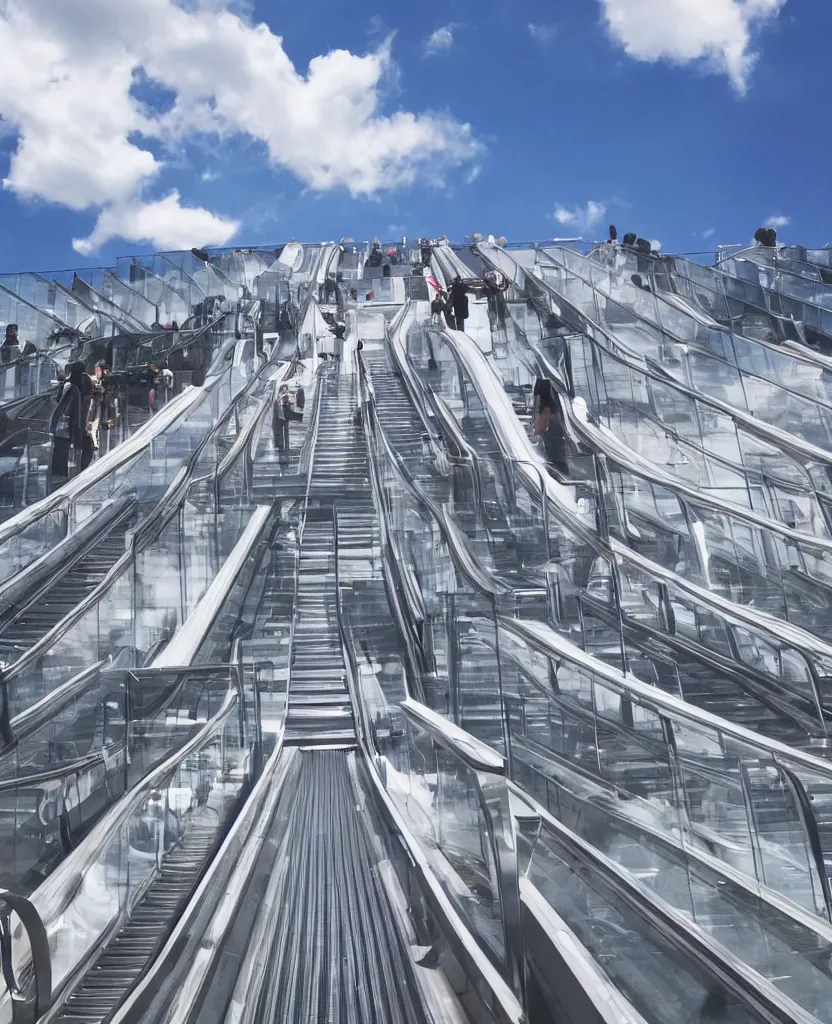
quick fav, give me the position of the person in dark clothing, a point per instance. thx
(437, 307)
(771, 238)
(629, 240)
(376, 257)
(549, 424)
(613, 232)
(417, 270)
(10, 342)
(459, 303)
(385, 270)
(67, 424)
(760, 236)
(151, 379)
(638, 281)
(280, 421)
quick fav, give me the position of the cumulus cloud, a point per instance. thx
(718, 32)
(581, 218)
(100, 93)
(440, 41)
(165, 223)
(778, 222)
(542, 33)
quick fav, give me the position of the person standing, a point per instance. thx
(67, 424)
(10, 343)
(459, 303)
(281, 411)
(549, 424)
(103, 406)
(152, 381)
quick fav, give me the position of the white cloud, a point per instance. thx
(709, 233)
(778, 222)
(473, 174)
(543, 33)
(581, 218)
(718, 32)
(656, 245)
(209, 176)
(68, 85)
(165, 223)
(440, 41)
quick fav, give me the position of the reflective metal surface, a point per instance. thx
(376, 669)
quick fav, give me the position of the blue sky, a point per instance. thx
(689, 121)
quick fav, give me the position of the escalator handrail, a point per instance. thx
(476, 574)
(465, 945)
(794, 447)
(547, 641)
(475, 754)
(28, 722)
(167, 506)
(64, 770)
(718, 289)
(56, 894)
(660, 298)
(113, 460)
(244, 438)
(40, 1000)
(615, 809)
(745, 676)
(394, 584)
(792, 636)
(186, 642)
(749, 987)
(184, 479)
(542, 638)
(443, 726)
(466, 563)
(20, 590)
(607, 1001)
(365, 733)
(691, 714)
(165, 995)
(810, 827)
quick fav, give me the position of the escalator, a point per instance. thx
(74, 581)
(317, 937)
(125, 958)
(384, 865)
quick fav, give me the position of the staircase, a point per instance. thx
(320, 712)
